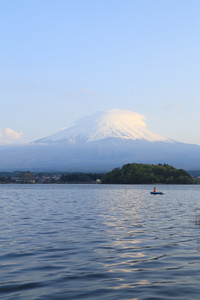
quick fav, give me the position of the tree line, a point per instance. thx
(128, 174)
(43, 177)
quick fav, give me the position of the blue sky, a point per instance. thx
(62, 60)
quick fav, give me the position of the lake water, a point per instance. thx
(99, 242)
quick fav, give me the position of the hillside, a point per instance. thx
(145, 173)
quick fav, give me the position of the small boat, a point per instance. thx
(157, 193)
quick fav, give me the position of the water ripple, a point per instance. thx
(99, 242)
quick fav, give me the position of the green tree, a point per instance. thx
(145, 173)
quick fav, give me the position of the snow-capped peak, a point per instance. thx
(113, 123)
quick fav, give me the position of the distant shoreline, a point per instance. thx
(128, 174)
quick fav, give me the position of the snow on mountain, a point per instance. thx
(114, 123)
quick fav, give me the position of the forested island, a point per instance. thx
(133, 173)
(147, 174)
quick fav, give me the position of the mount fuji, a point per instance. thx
(100, 142)
(122, 124)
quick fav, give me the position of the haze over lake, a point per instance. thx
(99, 242)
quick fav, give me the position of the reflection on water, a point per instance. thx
(99, 242)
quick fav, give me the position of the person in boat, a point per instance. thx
(155, 189)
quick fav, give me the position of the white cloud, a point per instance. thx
(9, 136)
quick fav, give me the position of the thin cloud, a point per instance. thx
(88, 92)
(9, 136)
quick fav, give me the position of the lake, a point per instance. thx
(99, 242)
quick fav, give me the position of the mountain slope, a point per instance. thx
(98, 156)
